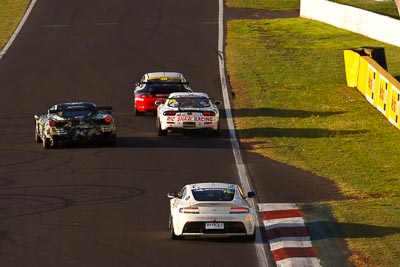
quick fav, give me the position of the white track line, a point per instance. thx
(17, 30)
(276, 206)
(299, 262)
(290, 244)
(285, 222)
(244, 180)
(290, 238)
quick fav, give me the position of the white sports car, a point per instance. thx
(211, 210)
(187, 111)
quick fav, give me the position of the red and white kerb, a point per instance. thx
(287, 235)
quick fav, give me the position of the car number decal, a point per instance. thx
(189, 124)
(214, 226)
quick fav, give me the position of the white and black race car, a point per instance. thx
(76, 122)
(211, 210)
(187, 112)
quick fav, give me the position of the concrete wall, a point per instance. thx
(375, 26)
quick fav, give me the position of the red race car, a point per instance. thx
(156, 86)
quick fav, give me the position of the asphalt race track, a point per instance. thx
(107, 206)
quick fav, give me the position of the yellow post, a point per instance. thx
(351, 63)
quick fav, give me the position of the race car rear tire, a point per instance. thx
(215, 132)
(173, 235)
(251, 237)
(37, 137)
(138, 113)
(161, 132)
(46, 143)
(111, 140)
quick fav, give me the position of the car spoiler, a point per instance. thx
(158, 82)
(108, 110)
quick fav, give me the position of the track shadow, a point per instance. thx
(288, 184)
(238, 239)
(330, 229)
(250, 13)
(328, 235)
(283, 113)
(296, 132)
(177, 140)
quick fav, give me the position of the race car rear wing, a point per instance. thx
(105, 109)
(150, 82)
(161, 82)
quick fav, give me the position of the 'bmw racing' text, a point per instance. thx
(195, 119)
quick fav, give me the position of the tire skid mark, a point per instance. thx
(36, 200)
(73, 15)
(37, 156)
(4, 181)
(60, 164)
(100, 238)
(34, 203)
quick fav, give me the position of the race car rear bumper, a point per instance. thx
(191, 130)
(81, 139)
(199, 228)
(179, 126)
(195, 225)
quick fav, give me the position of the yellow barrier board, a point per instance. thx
(394, 109)
(362, 82)
(351, 64)
(379, 88)
(371, 85)
(383, 95)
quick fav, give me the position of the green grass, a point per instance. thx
(264, 4)
(387, 8)
(292, 105)
(11, 12)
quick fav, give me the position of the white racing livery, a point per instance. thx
(187, 111)
(211, 210)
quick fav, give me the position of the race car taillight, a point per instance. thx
(190, 209)
(208, 113)
(52, 123)
(169, 113)
(108, 119)
(238, 210)
(142, 95)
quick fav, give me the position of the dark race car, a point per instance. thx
(78, 122)
(156, 86)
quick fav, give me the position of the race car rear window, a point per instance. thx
(213, 194)
(164, 88)
(189, 102)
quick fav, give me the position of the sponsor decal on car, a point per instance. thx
(194, 119)
(215, 218)
(225, 190)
